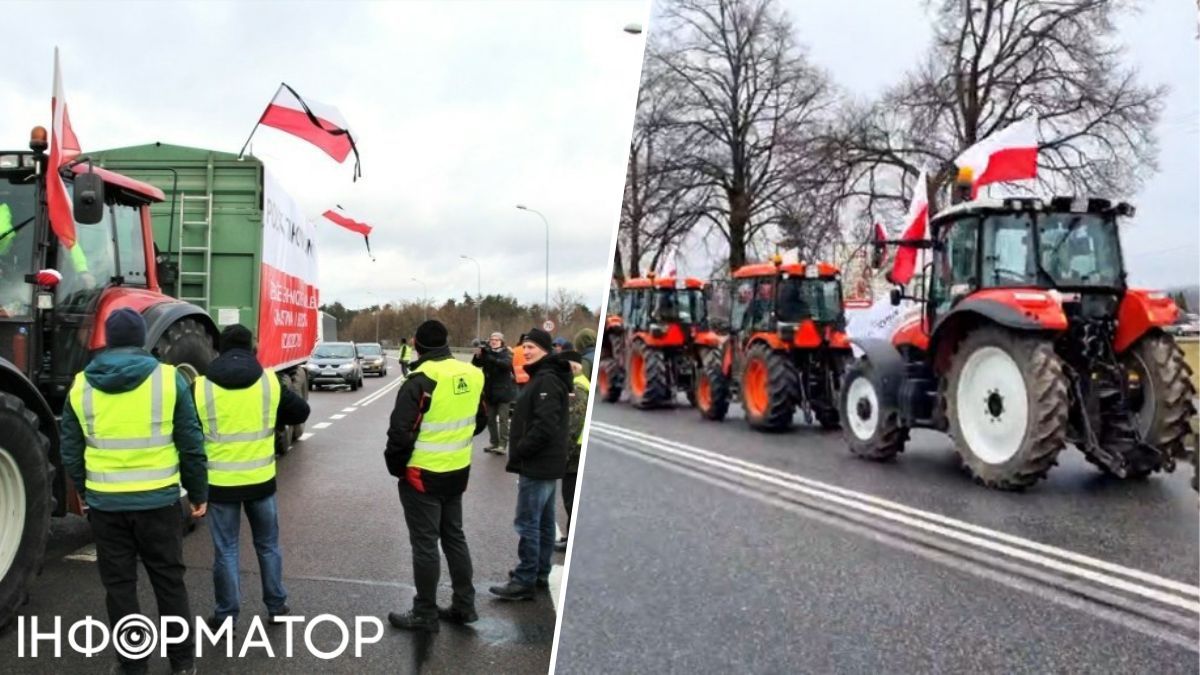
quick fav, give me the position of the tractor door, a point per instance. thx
(954, 272)
(18, 258)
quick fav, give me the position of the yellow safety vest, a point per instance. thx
(239, 430)
(444, 440)
(582, 381)
(128, 444)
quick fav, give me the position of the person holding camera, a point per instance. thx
(499, 389)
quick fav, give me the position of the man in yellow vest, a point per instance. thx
(129, 437)
(240, 405)
(439, 410)
(578, 418)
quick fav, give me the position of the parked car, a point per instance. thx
(373, 359)
(335, 363)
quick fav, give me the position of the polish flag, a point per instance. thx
(1008, 154)
(338, 216)
(917, 224)
(64, 147)
(318, 123)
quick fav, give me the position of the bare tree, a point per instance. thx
(992, 63)
(745, 90)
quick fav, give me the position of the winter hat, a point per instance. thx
(125, 328)
(563, 343)
(573, 356)
(430, 335)
(540, 338)
(236, 336)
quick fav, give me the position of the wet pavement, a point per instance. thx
(346, 553)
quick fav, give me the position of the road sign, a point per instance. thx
(548, 326)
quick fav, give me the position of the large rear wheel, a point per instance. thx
(767, 385)
(1161, 395)
(712, 387)
(649, 385)
(872, 431)
(26, 501)
(610, 380)
(187, 346)
(1008, 407)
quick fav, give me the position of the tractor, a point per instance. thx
(51, 325)
(610, 375)
(785, 350)
(653, 351)
(1028, 338)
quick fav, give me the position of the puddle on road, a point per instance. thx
(496, 632)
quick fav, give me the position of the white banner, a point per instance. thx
(881, 319)
(288, 295)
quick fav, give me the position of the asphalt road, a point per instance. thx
(708, 547)
(346, 553)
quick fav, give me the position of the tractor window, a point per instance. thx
(87, 267)
(742, 295)
(816, 299)
(954, 270)
(1008, 251)
(130, 244)
(628, 302)
(694, 300)
(762, 309)
(16, 247)
(666, 309)
(1080, 249)
(614, 300)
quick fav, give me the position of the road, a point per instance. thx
(707, 547)
(346, 553)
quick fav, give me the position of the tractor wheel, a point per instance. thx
(26, 501)
(827, 410)
(712, 387)
(767, 385)
(648, 382)
(187, 346)
(609, 383)
(829, 418)
(1162, 398)
(283, 437)
(1008, 407)
(871, 431)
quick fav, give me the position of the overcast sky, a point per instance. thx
(866, 45)
(461, 110)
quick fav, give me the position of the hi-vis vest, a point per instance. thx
(239, 430)
(128, 445)
(581, 381)
(444, 441)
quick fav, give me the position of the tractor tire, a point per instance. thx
(828, 411)
(26, 502)
(1008, 406)
(712, 387)
(187, 346)
(1164, 406)
(649, 384)
(768, 386)
(283, 437)
(871, 431)
(610, 380)
(829, 418)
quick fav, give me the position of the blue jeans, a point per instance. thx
(535, 527)
(225, 522)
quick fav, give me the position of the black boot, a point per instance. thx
(512, 591)
(410, 621)
(456, 615)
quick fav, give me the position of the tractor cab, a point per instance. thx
(665, 309)
(789, 305)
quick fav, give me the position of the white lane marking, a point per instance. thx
(905, 515)
(381, 393)
(85, 554)
(322, 425)
(306, 435)
(351, 409)
(556, 575)
(336, 417)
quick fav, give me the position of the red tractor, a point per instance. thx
(610, 376)
(1029, 339)
(786, 347)
(48, 333)
(653, 351)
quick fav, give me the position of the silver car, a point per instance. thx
(335, 363)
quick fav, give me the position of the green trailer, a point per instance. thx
(229, 240)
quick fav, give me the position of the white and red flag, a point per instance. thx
(64, 147)
(1007, 155)
(318, 123)
(338, 216)
(916, 225)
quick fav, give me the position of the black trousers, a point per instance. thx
(156, 537)
(430, 518)
(568, 490)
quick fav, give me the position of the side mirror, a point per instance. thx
(89, 198)
(896, 296)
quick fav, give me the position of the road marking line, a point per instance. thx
(906, 516)
(322, 425)
(336, 417)
(85, 554)
(351, 409)
(381, 393)
(556, 575)
(306, 435)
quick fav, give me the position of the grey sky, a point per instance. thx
(461, 110)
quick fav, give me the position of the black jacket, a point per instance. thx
(412, 402)
(500, 386)
(538, 437)
(238, 369)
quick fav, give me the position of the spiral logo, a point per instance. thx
(135, 637)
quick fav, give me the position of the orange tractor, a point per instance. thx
(1029, 339)
(785, 350)
(651, 349)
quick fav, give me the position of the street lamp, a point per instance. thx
(547, 223)
(633, 28)
(424, 296)
(478, 292)
(378, 311)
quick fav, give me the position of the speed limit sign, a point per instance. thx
(548, 326)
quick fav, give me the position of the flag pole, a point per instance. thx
(245, 145)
